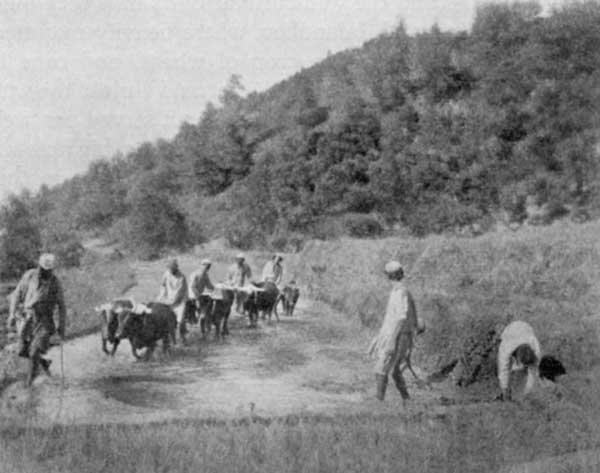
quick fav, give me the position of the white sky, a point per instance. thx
(81, 79)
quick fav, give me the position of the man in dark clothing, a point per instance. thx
(32, 307)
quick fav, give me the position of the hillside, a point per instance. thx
(424, 133)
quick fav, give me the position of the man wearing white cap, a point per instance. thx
(273, 270)
(174, 292)
(36, 296)
(238, 275)
(199, 280)
(393, 345)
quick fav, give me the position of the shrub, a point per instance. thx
(362, 226)
(21, 241)
(154, 223)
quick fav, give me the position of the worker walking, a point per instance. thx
(174, 292)
(32, 306)
(393, 345)
(519, 350)
(273, 270)
(238, 275)
(200, 281)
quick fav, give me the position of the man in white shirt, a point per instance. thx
(273, 270)
(393, 345)
(174, 292)
(519, 350)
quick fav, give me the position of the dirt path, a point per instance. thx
(313, 362)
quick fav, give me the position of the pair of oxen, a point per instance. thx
(146, 324)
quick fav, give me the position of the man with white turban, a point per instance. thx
(174, 292)
(32, 306)
(238, 275)
(393, 345)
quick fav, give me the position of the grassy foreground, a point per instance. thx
(471, 438)
(546, 276)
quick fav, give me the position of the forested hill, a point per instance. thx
(428, 132)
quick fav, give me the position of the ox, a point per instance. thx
(109, 322)
(289, 297)
(144, 325)
(262, 299)
(215, 308)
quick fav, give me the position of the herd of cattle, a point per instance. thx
(145, 324)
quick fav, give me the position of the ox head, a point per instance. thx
(130, 320)
(108, 316)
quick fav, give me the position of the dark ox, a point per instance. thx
(262, 300)
(214, 310)
(289, 297)
(145, 327)
(109, 322)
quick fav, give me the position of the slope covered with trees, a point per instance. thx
(432, 131)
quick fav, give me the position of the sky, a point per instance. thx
(83, 79)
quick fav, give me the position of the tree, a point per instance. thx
(154, 221)
(20, 243)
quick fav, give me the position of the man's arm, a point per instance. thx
(182, 293)
(194, 286)
(398, 309)
(62, 310)
(208, 284)
(162, 291)
(266, 271)
(17, 297)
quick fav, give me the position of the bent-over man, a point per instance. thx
(519, 349)
(32, 306)
(174, 291)
(393, 345)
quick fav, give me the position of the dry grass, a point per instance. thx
(548, 276)
(472, 438)
(89, 286)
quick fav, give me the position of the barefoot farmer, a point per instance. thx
(519, 350)
(32, 307)
(238, 275)
(174, 292)
(393, 344)
(273, 270)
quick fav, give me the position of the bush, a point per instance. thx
(513, 200)
(362, 226)
(21, 242)
(154, 223)
(446, 213)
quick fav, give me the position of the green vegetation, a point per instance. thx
(432, 132)
(466, 287)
